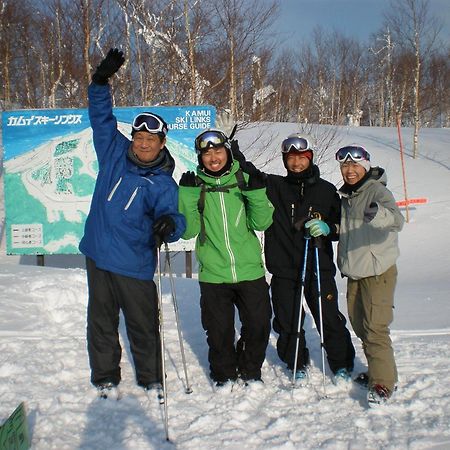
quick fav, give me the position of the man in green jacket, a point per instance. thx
(223, 208)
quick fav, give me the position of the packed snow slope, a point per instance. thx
(43, 358)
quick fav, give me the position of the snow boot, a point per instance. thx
(223, 386)
(301, 377)
(254, 383)
(154, 388)
(341, 377)
(108, 390)
(378, 395)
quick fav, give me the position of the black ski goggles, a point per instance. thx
(208, 139)
(149, 122)
(295, 143)
(354, 152)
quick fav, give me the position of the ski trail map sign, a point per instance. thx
(50, 168)
(14, 432)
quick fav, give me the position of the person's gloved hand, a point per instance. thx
(370, 212)
(188, 179)
(256, 180)
(236, 152)
(317, 227)
(300, 224)
(225, 122)
(108, 67)
(163, 227)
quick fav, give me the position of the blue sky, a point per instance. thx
(354, 18)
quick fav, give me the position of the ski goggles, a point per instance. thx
(210, 138)
(295, 143)
(354, 152)
(149, 122)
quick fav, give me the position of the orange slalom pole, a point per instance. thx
(403, 167)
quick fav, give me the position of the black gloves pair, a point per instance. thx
(108, 67)
(162, 229)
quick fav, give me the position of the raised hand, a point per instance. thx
(109, 66)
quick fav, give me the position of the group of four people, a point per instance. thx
(137, 205)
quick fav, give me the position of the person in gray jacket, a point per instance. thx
(367, 255)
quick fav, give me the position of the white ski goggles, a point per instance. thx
(295, 143)
(354, 152)
(149, 122)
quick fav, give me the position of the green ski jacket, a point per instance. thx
(230, 251)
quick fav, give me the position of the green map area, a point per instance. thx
(14, 432)
(50, 169)
(48, 192)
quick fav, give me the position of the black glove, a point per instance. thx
(256, 180)
(162, 229)
(300, 225)
(237, 154)
(370, 212)
(108, 67)
(188, 179)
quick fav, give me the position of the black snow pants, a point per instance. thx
(217, 302)
(108, 294)
(336, 337)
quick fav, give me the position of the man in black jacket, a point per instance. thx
(304, 203)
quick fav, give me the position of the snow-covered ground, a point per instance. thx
(43, 359)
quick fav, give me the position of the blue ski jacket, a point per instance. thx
(127, 198)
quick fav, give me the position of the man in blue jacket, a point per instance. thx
(134, 209)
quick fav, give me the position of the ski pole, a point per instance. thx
(161, 338)
(300, 312)
(188, 389)
(319, 299)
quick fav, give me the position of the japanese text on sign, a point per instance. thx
(64, 119)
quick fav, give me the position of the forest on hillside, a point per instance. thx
(225, 53)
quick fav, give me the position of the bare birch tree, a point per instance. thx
(10, 19)
(414, 29)
(243, 24)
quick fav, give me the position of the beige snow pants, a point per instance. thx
(370, 303)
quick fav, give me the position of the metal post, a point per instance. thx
(161, 338)
(175, 307)
(188, 257)
(319, 299)
(300, 312)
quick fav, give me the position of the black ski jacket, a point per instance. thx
(297, 198)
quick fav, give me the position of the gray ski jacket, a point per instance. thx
(368, 248)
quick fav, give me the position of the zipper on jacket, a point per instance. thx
(238, 218)
(148, 179)
(131, 198)
(110, 196)
(227, 236)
